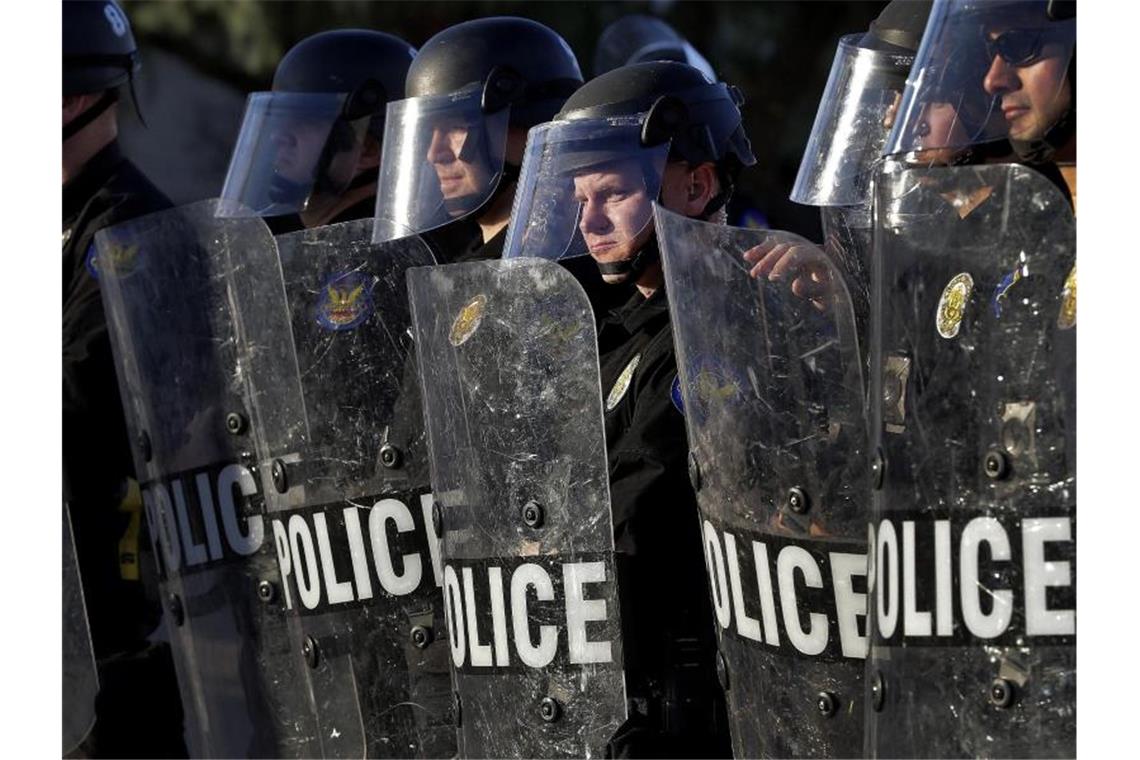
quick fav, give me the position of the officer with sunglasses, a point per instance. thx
(995, 80)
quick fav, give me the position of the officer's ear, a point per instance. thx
(703, 186)
(74, 105)
(369, 154)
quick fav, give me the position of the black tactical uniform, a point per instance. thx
(138, 711)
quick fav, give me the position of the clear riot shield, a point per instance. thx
(167, 288)
(973, 537)
(772, 395)
(509, 369)
(80, 676)
(348, 511)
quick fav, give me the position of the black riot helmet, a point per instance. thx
(300, 142)
(445, 144)
(640, 39)
(620, 130)
(858, 108)
(99, 55)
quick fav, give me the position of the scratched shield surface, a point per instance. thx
(325, 341)
(167, 285)
(772, 388)
(973, 560)
(80, 677)
(509, 372)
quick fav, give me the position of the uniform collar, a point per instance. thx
(639, 312)
(94, 175)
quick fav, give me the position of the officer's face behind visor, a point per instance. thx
(615, 208)
(1028, 73)
(457, 160)
(298, 143)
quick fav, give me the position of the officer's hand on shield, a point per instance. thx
(802, 264)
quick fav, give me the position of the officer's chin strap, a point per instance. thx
(110, 97)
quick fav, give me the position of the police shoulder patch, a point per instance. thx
(675, 394)
(621, 385)
(345, 300)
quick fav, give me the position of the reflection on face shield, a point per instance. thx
(458, 154)
(937, 130)
(615, 208)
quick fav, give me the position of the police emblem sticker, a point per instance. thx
(468, 320)
(345, 301)
(621, 385)
(675, 394)
(952, 305)
(1067, 319)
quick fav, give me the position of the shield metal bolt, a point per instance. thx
(280, 476)
(236, 423)
(827, 703)
(878, 469)
(391, 457)
(533, 514)
(549, 709)
(1001, 693)
(143, 442)
(797, 500)
(996, 464)
(878, 691)
(721, 670)
(437, 519)
(177, 614)
(421, 636)
(310, 651)
(694, 471)
(266, 591)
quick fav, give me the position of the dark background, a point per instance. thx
(202, 57)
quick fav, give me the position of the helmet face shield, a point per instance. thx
(986, 71)
(295, 153)
(443, 158)
(587, 186)
(855, 116)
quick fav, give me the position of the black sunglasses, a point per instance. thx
(1022, 47)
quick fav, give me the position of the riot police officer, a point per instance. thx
(639, 39)
(137, 710)
(652, 131)
(452, 148)
(311, 146)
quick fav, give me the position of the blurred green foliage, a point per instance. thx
(778, 53)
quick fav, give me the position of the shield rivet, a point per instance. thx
(280, 476)
(827, 703)
(1001, 693)
(143, 442)
(549, 709)
(533, 514)
(878, 469)
(266, 591)
(310, 651)
(878, 692)
(437, 519)
(694, 471)
(421, 636)
(797, 500)
(235, 423)
(390, 456)
(996, 464)
(721, 671)
(177, 614)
